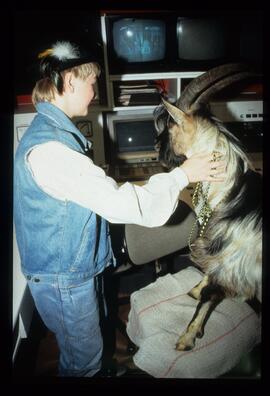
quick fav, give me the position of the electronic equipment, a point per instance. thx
(132, 137)
(204, 42)
(207, 41)
(173, 41)
(244, 118)
(139, 42)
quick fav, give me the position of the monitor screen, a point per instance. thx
(132, 136)
(139, 40)
(135, 135)
(203, 39)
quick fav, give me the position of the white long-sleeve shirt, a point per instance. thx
(68, 175)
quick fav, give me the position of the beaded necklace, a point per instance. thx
(205, 212)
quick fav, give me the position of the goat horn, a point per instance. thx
(197, 86)
(204, 97)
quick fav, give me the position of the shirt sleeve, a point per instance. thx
(69, 175)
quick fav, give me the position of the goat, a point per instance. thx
(228, 248)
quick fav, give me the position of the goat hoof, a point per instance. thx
(180, 346)
(184, 344)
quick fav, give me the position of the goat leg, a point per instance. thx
(211, 295)
(195, 292)
(187, 340)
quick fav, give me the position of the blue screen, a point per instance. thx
(139, 40)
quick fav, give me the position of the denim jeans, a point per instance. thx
(70, 309)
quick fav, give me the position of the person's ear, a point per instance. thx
(69, 82)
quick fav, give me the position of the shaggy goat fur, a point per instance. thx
(229, 251)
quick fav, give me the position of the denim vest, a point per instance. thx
(55, 237)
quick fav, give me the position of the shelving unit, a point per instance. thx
(173, 78)
(173, 82)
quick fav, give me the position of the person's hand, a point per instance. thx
(204, 167)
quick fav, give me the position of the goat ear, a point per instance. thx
(178, 115)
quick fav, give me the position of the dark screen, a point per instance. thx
(202, 38)
(135, 135)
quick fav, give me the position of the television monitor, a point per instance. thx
(139, 40)
(132, 136)
(190, 41)
(204, 42)
(139, 43)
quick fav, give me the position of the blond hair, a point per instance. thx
(45, 89)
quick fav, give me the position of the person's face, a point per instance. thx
(83, 94)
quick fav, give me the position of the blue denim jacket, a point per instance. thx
(55, 237)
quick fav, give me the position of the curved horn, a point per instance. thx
(204, 97)
(199, 84)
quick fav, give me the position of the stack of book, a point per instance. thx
(135, 93)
